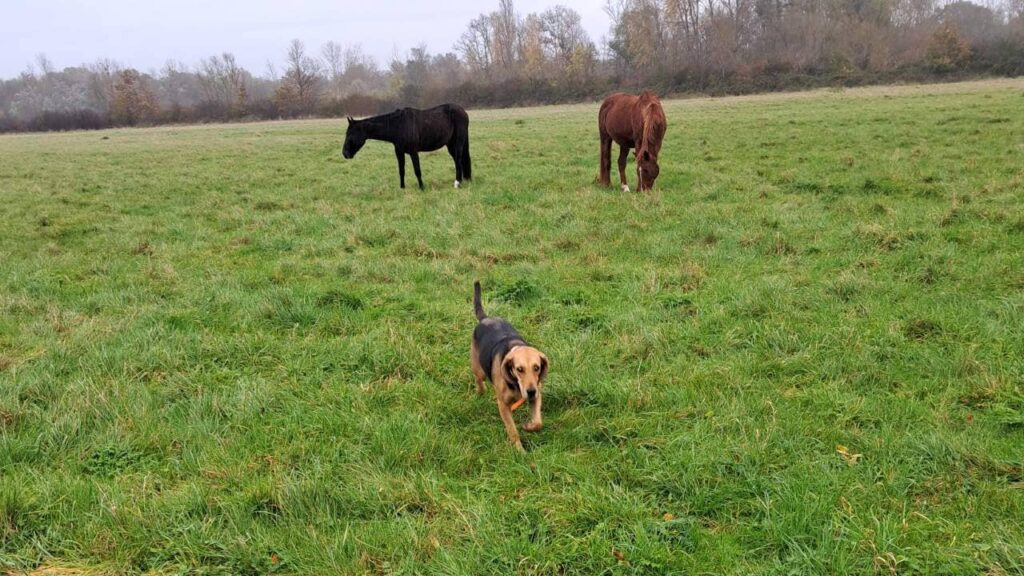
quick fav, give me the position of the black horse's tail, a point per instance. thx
(477, 306)
(467, 163)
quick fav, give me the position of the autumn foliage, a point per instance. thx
(507, 58)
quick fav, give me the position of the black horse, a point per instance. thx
(413, 131)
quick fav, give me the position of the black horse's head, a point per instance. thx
(354, 139)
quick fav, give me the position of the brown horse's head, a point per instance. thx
(646, 169)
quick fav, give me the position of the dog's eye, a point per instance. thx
(536, 368)
(519, 369)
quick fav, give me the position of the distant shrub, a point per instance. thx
(48, 121)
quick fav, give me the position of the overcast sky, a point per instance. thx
(145, 35)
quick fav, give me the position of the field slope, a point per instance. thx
(226, 350)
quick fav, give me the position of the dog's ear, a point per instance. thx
(543, 367)
(349, 118)
(508, 369)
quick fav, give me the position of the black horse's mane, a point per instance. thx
(386, 117)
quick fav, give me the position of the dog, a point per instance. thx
(516, 369)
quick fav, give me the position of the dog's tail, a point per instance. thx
(477, 306)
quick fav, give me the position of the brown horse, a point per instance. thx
(632, 122)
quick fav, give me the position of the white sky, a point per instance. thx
(145, 35)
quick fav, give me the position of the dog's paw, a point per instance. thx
(532, 426)
(456, 184)
(625, 188)
(519, 448)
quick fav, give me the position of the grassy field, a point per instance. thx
(226, 350)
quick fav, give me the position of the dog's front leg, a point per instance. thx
(510, 424)
(535, 422)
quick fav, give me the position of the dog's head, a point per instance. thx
(525, 367)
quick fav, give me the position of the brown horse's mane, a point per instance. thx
(650, 119)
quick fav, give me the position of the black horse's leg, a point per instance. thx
(416, 167)
(401, 166)
(623, 158)
(456, 152)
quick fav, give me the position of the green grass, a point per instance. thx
(226, 350)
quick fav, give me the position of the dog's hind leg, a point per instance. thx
(478, 372)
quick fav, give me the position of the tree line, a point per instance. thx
(505, 58)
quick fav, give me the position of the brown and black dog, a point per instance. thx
(516, 369)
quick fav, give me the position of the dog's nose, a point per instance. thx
(531, 393)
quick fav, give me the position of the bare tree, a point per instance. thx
(1015, 9)
(641, 34)
(475, 44)
(976, 23)
(300, 86)
(534, 49)
(361, 72)
(563, 33)
(224, 84)
(334, 65)
(505, 27)
(910, 13)
(45, 64)
(101, 86)
(178, 87)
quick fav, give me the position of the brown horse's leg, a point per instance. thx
(623, 157)
(605, 176)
